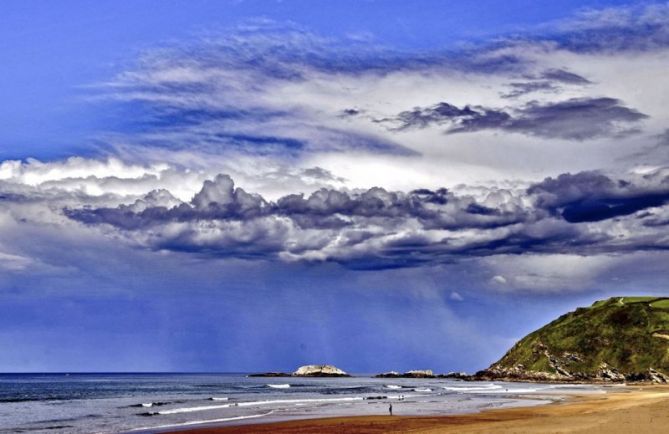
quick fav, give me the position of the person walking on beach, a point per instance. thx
(390, 409)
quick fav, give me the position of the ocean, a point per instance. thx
(146, 403)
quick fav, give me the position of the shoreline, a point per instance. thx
(641, 409)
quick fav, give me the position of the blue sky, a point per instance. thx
(255, 185)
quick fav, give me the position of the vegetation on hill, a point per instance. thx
(618, 339)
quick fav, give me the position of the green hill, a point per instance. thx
(618, 339)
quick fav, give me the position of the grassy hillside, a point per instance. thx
(621, 338)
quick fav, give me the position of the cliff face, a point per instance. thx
(619, 339)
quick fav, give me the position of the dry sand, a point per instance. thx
(639, 410)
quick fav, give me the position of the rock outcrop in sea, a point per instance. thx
(307, 371)
(417, 373)
(455, 375)
(319, 371)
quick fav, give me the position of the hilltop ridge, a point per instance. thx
(617, 339)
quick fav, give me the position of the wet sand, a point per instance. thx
(638, 410)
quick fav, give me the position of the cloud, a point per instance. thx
(591, 197)
(523, 88)
(565, 77)
(270, 92)
(445, 112)
(455, 296)
(626, 28)
(549, 81)
(219, 94)
(336, 168)
(11, 262)
(573, 119)
(377, 228)
(499, 279)
(549, 273)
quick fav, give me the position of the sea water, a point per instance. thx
(137, 403)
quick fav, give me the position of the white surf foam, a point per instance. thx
(199, 422)
(257, 404)
(192, 409)
(512, 391)
(401, 397)
(423, 389)
(300, 401)
(216, 398)
(279, 386)
(481, 388)
(392, 386)
(495, 389)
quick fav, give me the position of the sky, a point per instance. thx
(239, 186)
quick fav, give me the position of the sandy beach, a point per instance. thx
(638, 410)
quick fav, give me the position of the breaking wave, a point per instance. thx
(198, 422)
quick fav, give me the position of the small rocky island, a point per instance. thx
(418, 373)
(424, 373)
(621, 339)
(307, 371)
(319, 371)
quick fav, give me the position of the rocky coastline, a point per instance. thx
(606, 374)
(616, 340)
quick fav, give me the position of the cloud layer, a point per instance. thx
(524, 107)
(371, 157)
(585, 213)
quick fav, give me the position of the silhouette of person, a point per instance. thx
(390, 409)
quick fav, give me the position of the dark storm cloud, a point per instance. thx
(12, 197)
(320, 174)
(445, 113)
(563, 76)
(573, 119)
(350, 112)
(652, 221)
(661, 144)
(544, 236)
(591, 197)
(549, 81)
(219, 199)
(377, 228)
(576, 119)
(523, 88)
